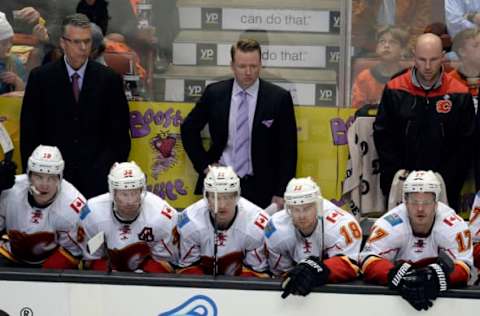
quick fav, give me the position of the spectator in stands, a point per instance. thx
(40, 215)
(306, 249)
(96, 11)
(79, 106)
(138, 227)
(45, 17)
(426, 120)
(370, 15)
(369, 84)
(223, 232)
(262, 148)
(12, 71)
(466, 45)
(461, 15)
(421, 247)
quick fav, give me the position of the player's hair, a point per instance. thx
(245, 45)
(77, 20)
(460, 39)
(397, 33)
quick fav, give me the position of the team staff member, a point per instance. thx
(252, 128)
(79, 106)
(426, 121)
(312, 241)
(404, 248)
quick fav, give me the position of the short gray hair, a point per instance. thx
(77, 19)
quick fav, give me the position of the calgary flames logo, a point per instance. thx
(166, 147)
(444, 106)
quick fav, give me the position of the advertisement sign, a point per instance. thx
(289, 56)
(62, 299)
(287, 20)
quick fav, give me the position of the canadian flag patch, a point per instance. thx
(77, 204)
(167, 212)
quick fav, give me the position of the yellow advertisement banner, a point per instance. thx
(157, 148)
(10, 118)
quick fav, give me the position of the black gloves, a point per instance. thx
(7, 174)
(397, 273)
(420, 286)
(307, 274)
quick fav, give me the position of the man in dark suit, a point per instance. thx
(265, 155)
(79, 106)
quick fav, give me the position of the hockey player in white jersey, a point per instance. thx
(223, 232)
(475, 229)
(421, 247)
(312, 241)
(137, 227)
(40, 214)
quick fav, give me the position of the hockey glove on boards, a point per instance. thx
(421, 286)
(306, 275)
(415, 295)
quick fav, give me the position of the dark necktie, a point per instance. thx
(76, 86)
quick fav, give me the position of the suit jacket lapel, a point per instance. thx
(260, 106)
(225, 107)
(87, 85)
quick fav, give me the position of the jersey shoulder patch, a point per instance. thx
(167, 212)
(261, 220)
(394, 219)
(84, 212)
(183, 219)
(270, 229)
(77, 204)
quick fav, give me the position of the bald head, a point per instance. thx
(429, 40)
(428, 58)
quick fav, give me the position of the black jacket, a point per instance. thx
(273, 146)
(417, 129)
(91, 134)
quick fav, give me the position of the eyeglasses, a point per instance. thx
(78, 42)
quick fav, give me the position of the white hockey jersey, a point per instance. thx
(34, 233)
(337, 233)
(241, 243)
(152, 233)
(392, 238)
(475, 219)
(362, 180)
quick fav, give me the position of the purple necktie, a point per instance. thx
(242, 138)
(76, 86)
